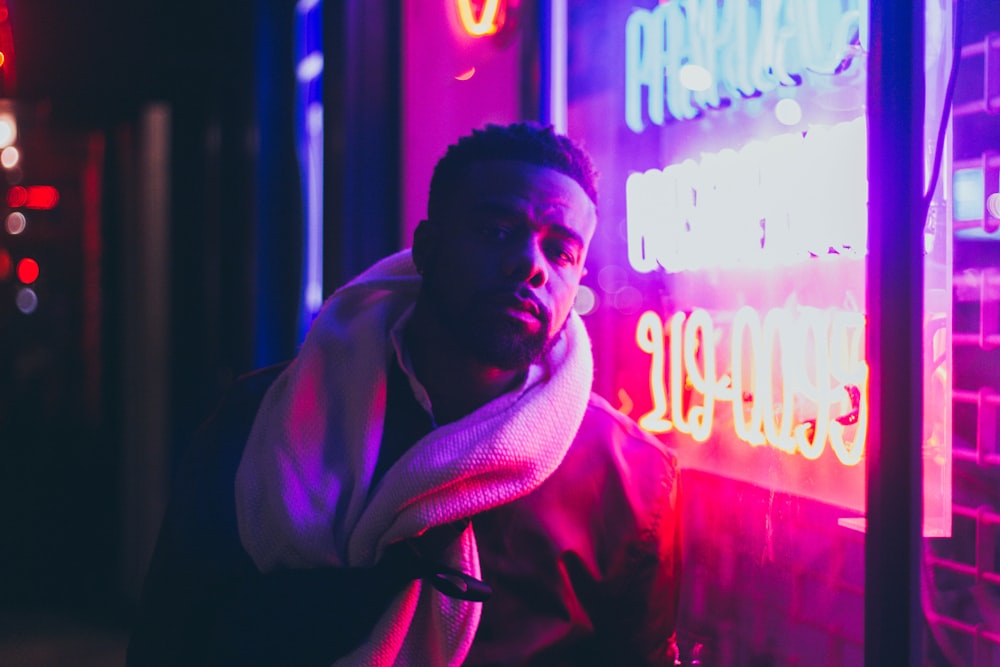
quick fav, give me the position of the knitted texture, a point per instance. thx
(303, 488)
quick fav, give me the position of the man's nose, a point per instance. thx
(527, 263)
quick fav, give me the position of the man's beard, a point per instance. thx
(499, 342)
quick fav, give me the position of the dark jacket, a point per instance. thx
(585, 570)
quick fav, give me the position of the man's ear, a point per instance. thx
(424, 238)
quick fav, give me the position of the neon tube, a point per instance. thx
(486, 24)
(797, 379)
(747, 50)
(770, 199)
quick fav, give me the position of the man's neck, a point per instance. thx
(456, 383)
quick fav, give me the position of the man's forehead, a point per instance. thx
(542, 195)
(495, 177)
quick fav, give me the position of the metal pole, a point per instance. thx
(894, 336)
(552, 28)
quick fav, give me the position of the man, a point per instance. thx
(430, 481)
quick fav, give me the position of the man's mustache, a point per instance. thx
(518, 294)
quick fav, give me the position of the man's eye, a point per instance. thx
(496, 232)
(562, 256)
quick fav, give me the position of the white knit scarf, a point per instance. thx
(303, 487)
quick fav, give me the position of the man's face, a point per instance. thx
(503, 264)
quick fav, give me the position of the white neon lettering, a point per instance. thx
(748, 49)
(777, 332)
(798, 378)
(771, 200)
(642, 63)
(750, 428)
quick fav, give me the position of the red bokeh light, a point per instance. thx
(5, 264)
(17, 196)
(42, 197)
(27, 270)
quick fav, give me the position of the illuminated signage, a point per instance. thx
(770, 203)
(728, 306)
(490, 19)
(745, 50)
(309, 131)
(794, 379)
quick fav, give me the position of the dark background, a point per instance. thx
(88, 438)
(91, 71)
(85, 74)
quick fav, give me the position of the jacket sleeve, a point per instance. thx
(637, 626)
(198, 547)
(203, 600)
(657, 583)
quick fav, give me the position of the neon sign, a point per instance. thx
(489, 21)
(772, 201)
(796, 379)
(747, 50)
(729, 311)
(309, 138)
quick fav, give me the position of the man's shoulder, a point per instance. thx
(605, 426)
(613, 469)
(251, 386)
(217, 445)
(610, 446)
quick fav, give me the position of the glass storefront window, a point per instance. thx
(727, 297)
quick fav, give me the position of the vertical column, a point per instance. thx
(895, 305)
(146, 385)
(553, 26)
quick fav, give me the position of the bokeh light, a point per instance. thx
(586, 301)
(993, 205)
(310, 67)
(8, 129)
(788, 111)
(628, 300)
(695, 77)
(9, 157)
(26, 300)
(16, 223)
(612, 278)
(27, 270)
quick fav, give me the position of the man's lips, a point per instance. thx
(518, 305)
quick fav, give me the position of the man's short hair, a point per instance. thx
(524, 142)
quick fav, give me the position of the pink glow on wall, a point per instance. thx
(452, 81)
